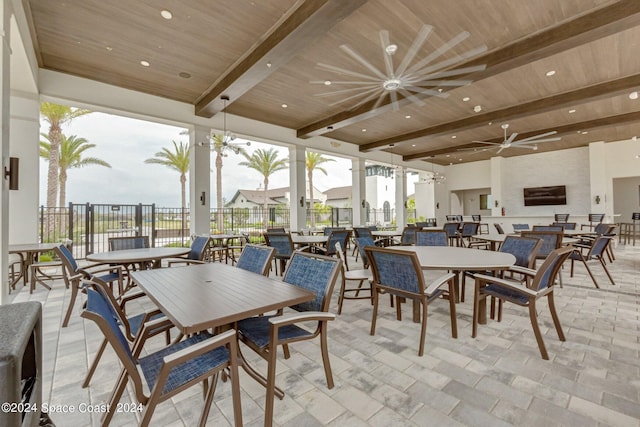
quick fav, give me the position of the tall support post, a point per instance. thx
(297, 185)
(199, 181)
(358, 192)
(5, 117)
(401, 197)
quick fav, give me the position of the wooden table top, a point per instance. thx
(129, 256)
(456, 258)
(204, 296)
(32, 247)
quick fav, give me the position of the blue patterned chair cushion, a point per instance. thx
(451, 229)
(431, 238)
(408, 236)
(520, 248)
(313, 274)
(256, 329)
(187, 371)
(98, 305)
(505, 293)
(362, 243)
(253, 258)
(282, 244)
(198, 247)
(69, 256)
(135, 322)
(397, 271)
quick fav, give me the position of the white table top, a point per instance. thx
(32, 247)
(499, 238)
(136, 255)
(386, 233)
(308, 240)
(455, 258)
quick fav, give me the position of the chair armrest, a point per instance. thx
(522, 270)
(304, 249)
(289, 319)
(91, 270)
(130, 296)
(189, 353)
(148, 330)
(436, 284)
(514, 286)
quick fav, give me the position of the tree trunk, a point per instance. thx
(311, 204)
(265, 208)
(55, 135)
(183, 180)
(219, 207)
(63, 201)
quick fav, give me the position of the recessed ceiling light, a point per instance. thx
(633, 95)
(407, 116)
(391, 49)
(413, 145)
(268, 64)
(364, 130)
(466, 98)
(453, 137)
(440, 90)
(184, 75)
(459, 160)
(450, 163)
(284, 105)
(572, 111)
(109, 48)
(550, 73)
(145, 63)
(634, 138)
(584, 132)
(166, 14)
(490, 123)
(448, 155)
(327, 82)
(477, 108)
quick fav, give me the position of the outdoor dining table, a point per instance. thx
(207, 296)
(221, 244)
(457, 260)
(28, 253)
(308, 240)
(134, 256)
(495, 240)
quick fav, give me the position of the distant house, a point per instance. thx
(339, 197)
(275, 197)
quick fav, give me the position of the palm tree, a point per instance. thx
(71, 150)
(313, 162)
(56, 115)
(178, 160)
(267, 163)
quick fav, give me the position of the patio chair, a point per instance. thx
(565, 225)
(336, 236)
(284, 248)
(467, 230)
(170, 370)
(328, 230)
(256, 258)
(594, 221)
(196, 255)
(596, 252)
(431, 238)
(561, 217)
(629, 230)
(408, 237)
(130, 242)
(364, 232)
(73, 275)
(359, 275)
(545, 228)
(520, 227)
(498, 228)
(263, 334)
(539, 285)
(39, 271)
(451, 228)
(131, 324)
(238, 246)
(398, 273)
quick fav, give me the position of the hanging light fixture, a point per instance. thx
(227, 137)
(436, 177)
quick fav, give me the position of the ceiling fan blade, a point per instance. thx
(344, 82)
(394, 100)
(412, 97)
(344, 91)
(366, 99)
(344, 71)
(539, 140)
(511, 138)
(415, 47)
(454, 72)
(439, 51)
(356, 96)
(542, 135)
(379, 100)
(488, 143)
(500, 150)
(388, 58)
(433, 83)
(530, 147)
(359, 58)
(427, 92)
(476, 149)
(455, 60)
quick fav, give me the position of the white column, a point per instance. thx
(25, 137)
(5, 115)
(297, 184)
(401, 197)
(425, 196)
(601, 198)
(199, 181)
(358, 191)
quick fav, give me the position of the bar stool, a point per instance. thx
(629, 230)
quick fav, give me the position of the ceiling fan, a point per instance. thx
(414, 81)
(531, 142)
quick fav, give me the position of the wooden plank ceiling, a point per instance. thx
(326, 61)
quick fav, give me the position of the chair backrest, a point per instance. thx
(396, 271)
(101, 311)
(520, 227)
(596, 217)
(431, 238)
(372, 227)
(498, 228)
(363, 242)
(408, 236)
(561, 217)
(451, 228)
(469, 229)
(362, 232)
(547, 272)
(198, 248)
(422, 224)
(328, 230)
(68, 261)
(276, 230)
(432, 222)
(104, 290)
(337, 236)
(635, 216)
(565, 225)
(525, 249)
(551, 240)
(476, 218)
(412, 225)
(559, 228)
(256, 258)
(316, 273)
(454, 218)
(131, 242)
(281, 242)
(598, 247)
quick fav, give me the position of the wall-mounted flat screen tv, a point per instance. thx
(552, 195)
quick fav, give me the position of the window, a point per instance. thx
(485, 201)
(386, 209)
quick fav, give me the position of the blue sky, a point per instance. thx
(125, 143)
